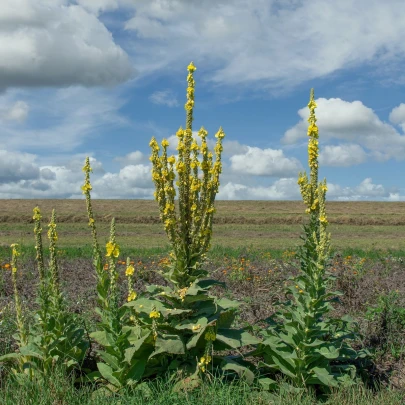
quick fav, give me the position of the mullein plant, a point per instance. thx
(54, 338)
(305, 345)
(189, 322)
(126, 340)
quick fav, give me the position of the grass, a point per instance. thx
(60, 390)
(270, 225)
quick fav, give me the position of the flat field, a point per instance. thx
(259, 224)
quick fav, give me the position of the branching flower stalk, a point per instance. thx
(189, 230)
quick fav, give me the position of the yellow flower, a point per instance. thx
(323, 219)
(86, 187)
(129, 271)
(154, 314)
(220, 134)
(196, 327)
(191, 68)
(131, 296)
(165, 143)
(171, 160)
(112, 249)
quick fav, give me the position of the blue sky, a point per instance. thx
(99, 78)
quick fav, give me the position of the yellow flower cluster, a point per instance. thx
(204, 362)
(314, 193)
(112, 249)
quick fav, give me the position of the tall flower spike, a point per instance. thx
(38, 244)
(53, 265)
(189, 232)
(86, 191)
(308, 187)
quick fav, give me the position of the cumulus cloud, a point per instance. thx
(342, 155)
(265, 162)
(54, 43)
(241, 40)
(164, 97)
(366, 190)
(353, 122)
(397, 116)
(17, 166)
(64, 119)
(282, 189)
(17, 112)
(132, 158)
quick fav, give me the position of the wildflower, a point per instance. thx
(154, 314)
(131, 296)
(7, 266)
(112, 249)
(130, 270)
(165, 143)
(86, 188)
(171, 160)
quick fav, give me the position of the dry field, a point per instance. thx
(260, 224)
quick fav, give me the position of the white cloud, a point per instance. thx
(65, 118)
(17, 166)
(397, 116)
(366, 190)
(342, 155)
(17, 112)
(52, 43)
(282, 189)
(266, 43)
(353, 122)
(132, 158)
(164, 97)
(265, 162)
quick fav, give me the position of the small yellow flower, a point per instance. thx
(196, 327)
(154, 314)
(91, 221)
(191, 68)
(171, 160)
(129, 271)
(86, 187)
(165, 143)
(112, 249)
(131, 296)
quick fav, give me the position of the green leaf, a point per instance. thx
(109, 359)
(136, 371)
(268, 384)
(171, 344)
(10, 356)
(325, 377)
(101, 337)
(226, 303)
(242, 371)
(107, 373)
